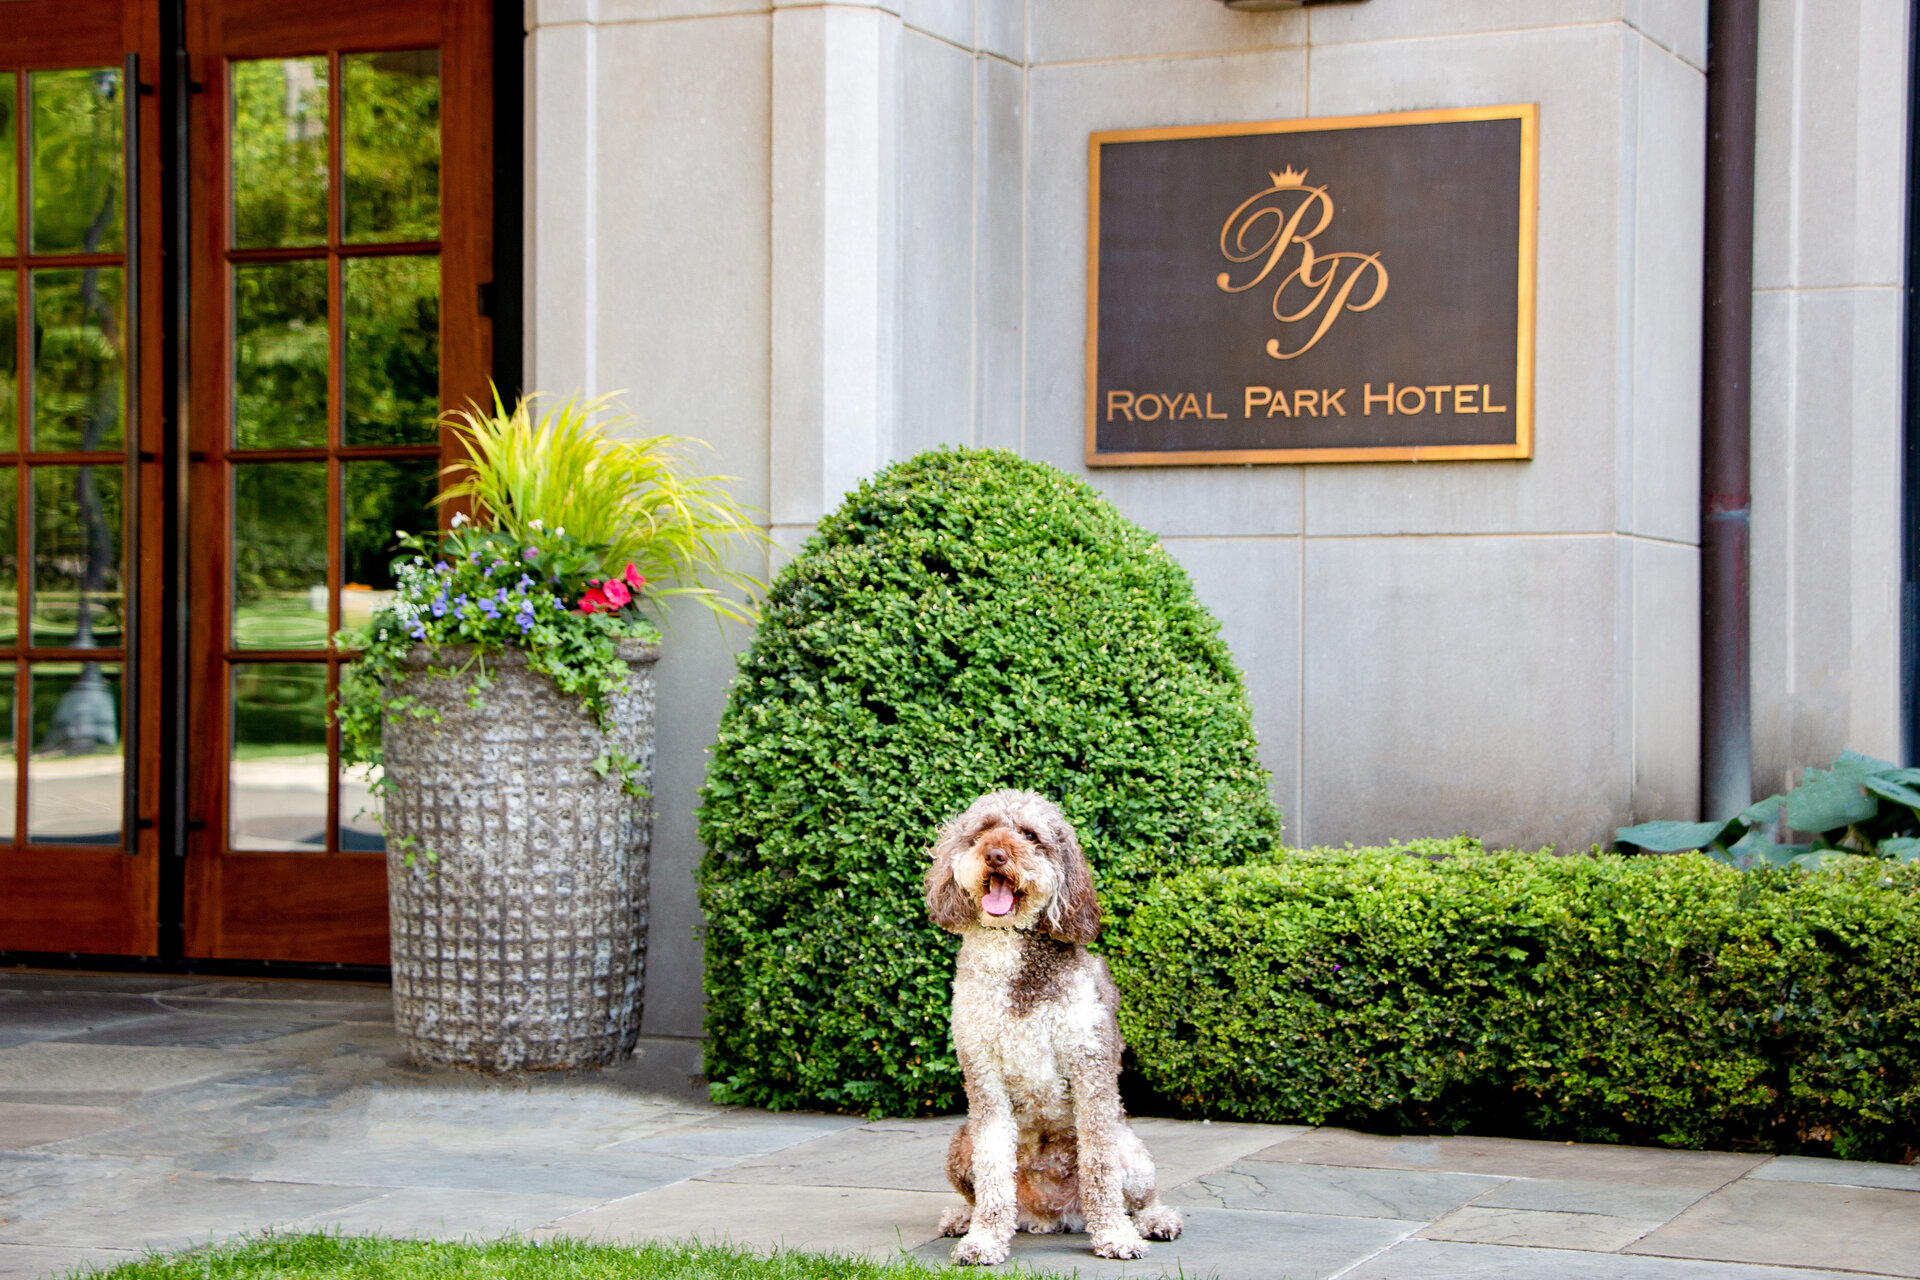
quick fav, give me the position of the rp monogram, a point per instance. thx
(1272, 223)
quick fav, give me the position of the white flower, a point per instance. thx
(561, 532)
(459, 518)
(535, 524)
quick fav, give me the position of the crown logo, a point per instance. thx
(1288, 177)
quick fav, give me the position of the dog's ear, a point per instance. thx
(1074, 914)
(947, 904)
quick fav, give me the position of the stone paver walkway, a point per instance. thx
(142, 1113)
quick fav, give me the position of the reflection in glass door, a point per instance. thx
(335, 391)
(330, 236)
(75, 875)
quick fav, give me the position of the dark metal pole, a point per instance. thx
(1910, 488)
(1726, 497)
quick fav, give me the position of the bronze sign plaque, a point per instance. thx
(1337, 290)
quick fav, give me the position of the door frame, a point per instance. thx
(170, 86)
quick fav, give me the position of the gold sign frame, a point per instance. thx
(1528, 114)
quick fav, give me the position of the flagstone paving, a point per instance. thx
(160, 1113)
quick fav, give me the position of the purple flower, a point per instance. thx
(440, 605)
(443, 567)
(461, 598)
(488, 607)
(531, 553)
(473, 558)
(419, 632)
(524, 583)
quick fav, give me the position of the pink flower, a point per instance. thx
(635, 579)
(594, 599)
(616, 592)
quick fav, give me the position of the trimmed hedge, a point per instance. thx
(966, 620)
(1672, 1001)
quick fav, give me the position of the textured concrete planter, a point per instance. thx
(523, 947)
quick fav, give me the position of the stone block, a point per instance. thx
(1585, 360)
(951, 21)
(1066, 104)
(1797, 1224)
(608, 13)
(1440, 1260)
(1666, 678)
(1184, 1150)
(1333, 1189)
(26, 1124)
(1839, 1173)
(1537, 1228)
(999, 220)
(906, 1154)
(1419, 723)
(1090, 30)
(937, 186)
(93, 1068)
(1252, 585)
(1381, 20)
(1002, 28)
(437, 1213)
(33, 1262)
(841, 1220)
(1224, 1244)
(1515, 1158)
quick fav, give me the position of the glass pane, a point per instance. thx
(74, 780)
(9, 357)
(361, 830)
(77, 157)
(9, 180)
(393, 350)
(391, 151)
(279, 152)
(280, 555)
(77, 365)
(280, 355)
(9, 566)
(377, 500)
(278, 775)
(9, 763)
(76, 556)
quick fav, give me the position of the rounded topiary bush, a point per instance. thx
(966, 620)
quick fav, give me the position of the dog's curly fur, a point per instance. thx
(1046, 1146)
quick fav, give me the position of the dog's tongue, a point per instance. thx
(999, 899)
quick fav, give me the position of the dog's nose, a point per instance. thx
(997, 857)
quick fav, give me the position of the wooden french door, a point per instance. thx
(80, 483)
(341, 215)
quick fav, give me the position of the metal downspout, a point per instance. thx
(1726, 498)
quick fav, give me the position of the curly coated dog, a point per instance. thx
(1046, 1146)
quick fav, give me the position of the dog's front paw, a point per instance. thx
(1158, 1222)
(955, 1221)
(975, 1251)
(1124, 1243)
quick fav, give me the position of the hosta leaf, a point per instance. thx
(1759, 851)
(1856, 766)
(1881, 785)
(1901, 849)
(1761, 812)
(1677, 837)
(1827, 800)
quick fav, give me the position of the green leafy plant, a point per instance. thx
(1860, 805)
(1671, 1001)
(965, 620)
(633, 498)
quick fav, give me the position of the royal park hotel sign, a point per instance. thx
(1339, 290)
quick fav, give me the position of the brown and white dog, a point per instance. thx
(1046, 1146)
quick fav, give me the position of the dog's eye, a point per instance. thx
(1028, 833)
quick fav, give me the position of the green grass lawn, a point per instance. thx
(336, 1257)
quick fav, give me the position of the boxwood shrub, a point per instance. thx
(966, 620)
(1672, 1001)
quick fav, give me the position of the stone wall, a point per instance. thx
(826, 236)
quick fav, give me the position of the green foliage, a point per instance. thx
(1860, 805)
(966, 620)
(1674, 1001)
(490, 590)
(321, 1256)
(635, 498)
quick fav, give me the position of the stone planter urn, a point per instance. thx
(521, 945)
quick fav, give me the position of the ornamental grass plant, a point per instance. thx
(575, 537)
